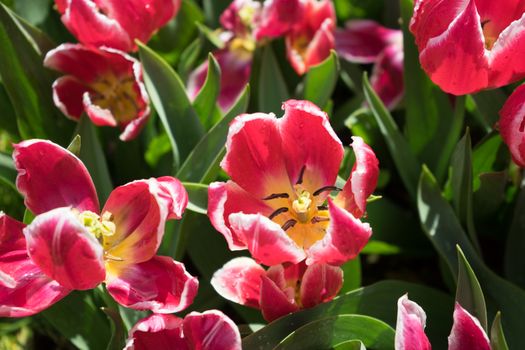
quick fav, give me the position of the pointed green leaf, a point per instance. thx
(7, 170)
(272, 89)
(75, 145)
(92, 154)
(497, 338)
(118, 331)
(352, 275)
(406, 163)
(468, 292)
(202, 163)
(168, 95)
(445, 232)
(197, 197)
(327, 332)
(188, 58)
(206, 101)
(319, 82)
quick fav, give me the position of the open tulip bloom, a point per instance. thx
(277, 204)
(210, 330)
(104, 83)
(511, 124)
(280, 290)
(72, 245)
(469, 45)
(113, 23)
(466, 332)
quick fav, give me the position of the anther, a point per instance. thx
(276, 195)
(322, 207)
(111, 257)
(327, 188)
(317, 219)
(301, 174)
(277, 212)
(289, 224)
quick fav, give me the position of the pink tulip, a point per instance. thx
(104, 83)
(365, 41)
(280, 290)
(210, 330)
(74, 246)
(277, 204)
(469, 45)
(113, 23)
(466, 332)
(511, 125)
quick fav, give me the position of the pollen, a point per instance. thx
(100, 227)
(302, 205)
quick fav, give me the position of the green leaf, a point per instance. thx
(78, 319)
(468, 292)
(497, 338)
(378, 300)
(188, 58)
(319, 82)
(168, 95)
(461, 182)
(445, 232)
(34, 11)
(514, 257)
(484, 157)
(406, 163)
(489, 103)
(28, 217)
(92, 154)
(75, 145)
(352, 275)
(118, 331)
(197, 197)
(328, 332)
(350, 345)
(202, 163)
(272, 89)
(157, 148)
(7, 170)
(206, 101)
(27, 82)
(211, 35)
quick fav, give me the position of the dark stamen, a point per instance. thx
(327, 188)
(289, 224)
(300, 179)
(277, 212)
(276, 195)
(322, 207)
(317, 219)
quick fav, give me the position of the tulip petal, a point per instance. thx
(24, 289)
(309, 141)
(235, 65)
(92, 27)
(67, 96)
(98, 115)
(456, 59)
(239, 280)
(387, 76)
(506, 66)
(278, 17)
(227, 198)
(363, 41)
(211, 330)
(50, 176)
(362, 181)
(345, 237)
(161, 285)
(140, 210)
(467, 332)
(511, 125)
(159, 332)
(274, 302)
(265, 239)
(64, 250)
(320, 283)
(253, 158)
(410, 326)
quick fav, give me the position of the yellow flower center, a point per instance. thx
(301, 206)
(116, 94)
(102, 227)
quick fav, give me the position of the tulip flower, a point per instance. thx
(365, 41)
(469, 45)
(310, 40)
(210, 330)
(466, 332)
(511, 125)
(277, 203)
(280, 290)
(115, 24)
(72, 245)
(104, 83)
